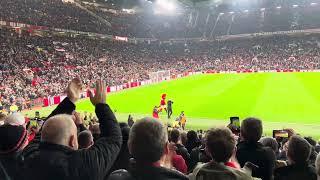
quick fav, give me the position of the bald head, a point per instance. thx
(60, 129)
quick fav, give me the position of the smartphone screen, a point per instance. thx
(235, 121)
(280, 134)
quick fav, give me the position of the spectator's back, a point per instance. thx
(250, 150)
(261, 156)
(216, 171)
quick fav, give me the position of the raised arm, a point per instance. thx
(67, 106)
(101, 156)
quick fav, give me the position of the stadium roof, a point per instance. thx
(131, 3)
(200, 2)
(215, 4)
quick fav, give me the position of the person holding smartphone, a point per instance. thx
(220, 146)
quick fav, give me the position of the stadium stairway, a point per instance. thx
(104, 21)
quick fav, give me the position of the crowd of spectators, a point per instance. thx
(32, 66)
(145, 23)
(69, 146)
(52, 14)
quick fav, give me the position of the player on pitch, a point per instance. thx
(182, 120)
(169, 108)
(155, 112)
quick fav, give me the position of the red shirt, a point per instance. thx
(163, 102)
(231, 164)
(155, 113)
(179, 163)
(31, 136)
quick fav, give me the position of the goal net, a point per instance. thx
(159, 76)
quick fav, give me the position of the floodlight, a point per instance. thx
(231, 12)
(295, 5)
(221, 14)
(278, 7)
(313, 4)
(246, 11)
(170, 6)
(262, 9)
(166, 5)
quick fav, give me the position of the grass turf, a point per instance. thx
(281, 100)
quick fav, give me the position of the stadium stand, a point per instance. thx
(49, 13)
(31, 63)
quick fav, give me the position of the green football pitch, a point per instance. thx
(281, 100)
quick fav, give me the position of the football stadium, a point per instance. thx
(159, 89)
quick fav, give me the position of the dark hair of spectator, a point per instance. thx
(123, 124)
(270, 142)
(183, 137)
(125, 133)
(311, 141)
(251, 129)
(175, 135)
(220, 143)
(84, 139)
(299, 150)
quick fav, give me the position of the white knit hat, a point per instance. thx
(15, 119)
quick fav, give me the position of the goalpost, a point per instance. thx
(159, 76)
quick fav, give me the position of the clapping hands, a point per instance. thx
(74, 90)
(101, 93)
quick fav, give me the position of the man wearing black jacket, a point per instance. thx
(56, 156)
(250, 150)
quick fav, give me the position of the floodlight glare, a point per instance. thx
(170, 6)
(221, 14)
(246, 11)
(262, 9)
(294, 5)
(166, 5)
(231, 12)
(279, 7)
(313, 4)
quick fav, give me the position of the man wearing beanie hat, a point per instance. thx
(13, 140)
(55, 156)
